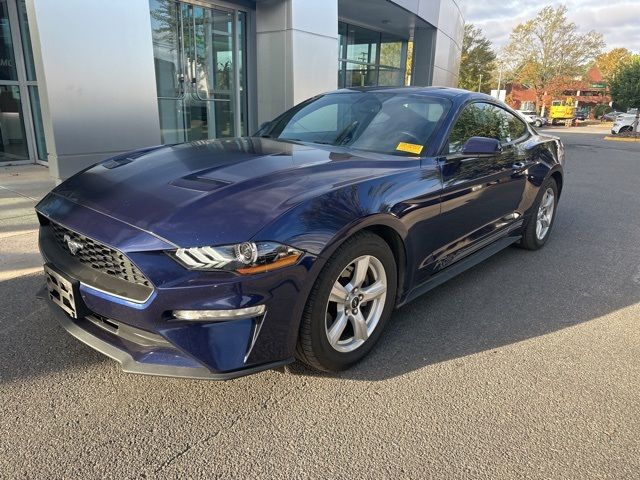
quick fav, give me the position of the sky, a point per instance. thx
(617, 20)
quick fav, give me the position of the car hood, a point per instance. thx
(220, 191)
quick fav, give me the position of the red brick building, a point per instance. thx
(586, 93)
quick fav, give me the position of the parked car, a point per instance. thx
(581, 115)
(611, 116)
(220, 258)
(533, 118)
(625, 123)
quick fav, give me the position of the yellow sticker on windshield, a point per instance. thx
(409, 148)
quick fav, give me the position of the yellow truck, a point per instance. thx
(560, 111)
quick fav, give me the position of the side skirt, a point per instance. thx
(459, 267)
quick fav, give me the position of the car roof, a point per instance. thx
(444, 92)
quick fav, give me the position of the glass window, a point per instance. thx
(36, 113)
(241, 38)
(374, 121)
(165, 32)
(369, 58)
(13, 144)
(342, 40)
(392, 51)
(517, 128)
(359, 75)
(196, 52)
(362, 44)
(479, 120)
(7, 58)
(26, 41)
(390, 77)
(322, 119)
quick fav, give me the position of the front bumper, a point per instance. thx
(198, 349)
(139, 351)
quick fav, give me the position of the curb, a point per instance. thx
(622, 139)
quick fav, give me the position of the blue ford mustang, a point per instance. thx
(216, 259)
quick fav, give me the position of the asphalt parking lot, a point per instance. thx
(527, 366)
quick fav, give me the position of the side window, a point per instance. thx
(485, 120)
(478, 120)
(517, 128)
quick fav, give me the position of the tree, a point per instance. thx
(611, 62)
(549, 47)
(478, 60)
(625, 86)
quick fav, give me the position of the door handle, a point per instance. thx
(518, 165)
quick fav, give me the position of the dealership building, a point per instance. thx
(82, 80)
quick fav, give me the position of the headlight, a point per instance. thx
(244, 258)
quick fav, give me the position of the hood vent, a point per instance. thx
(201, 184)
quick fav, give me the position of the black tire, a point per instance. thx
(624, 129)
(530, 240)
(313, 346)
(537, 124)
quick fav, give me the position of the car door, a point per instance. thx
(481, 194)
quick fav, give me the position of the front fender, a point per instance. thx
(319, 225)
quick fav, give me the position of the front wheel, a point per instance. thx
(538, 123)
(349, 304)
(538, 227)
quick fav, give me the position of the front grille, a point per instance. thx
(98, 256)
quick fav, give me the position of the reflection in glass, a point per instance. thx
(26, 40)
(13, 144)
(38, 128)
(391, 77)
(372, 120)
(212, 61)
(195, 71)
(362, 44)
(242, 19)
(357, 75)
(370, 58)
(479, 120)
(7, 59)
(165, 30)
(392, 51)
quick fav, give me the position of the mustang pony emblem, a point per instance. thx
(73, 246)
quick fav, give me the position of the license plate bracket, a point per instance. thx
(62, 290)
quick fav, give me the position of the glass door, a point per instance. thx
(13, 137)
(199, 70)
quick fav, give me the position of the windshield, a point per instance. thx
(390, 123)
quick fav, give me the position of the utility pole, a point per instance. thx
(480, 83)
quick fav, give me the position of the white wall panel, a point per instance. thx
(94, 61)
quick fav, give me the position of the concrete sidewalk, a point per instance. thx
(21, 187)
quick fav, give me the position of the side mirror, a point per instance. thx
(481, 146)
(264, 126)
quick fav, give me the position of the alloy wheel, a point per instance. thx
(545, 213)
(356, 303)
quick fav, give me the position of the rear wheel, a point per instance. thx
(538, 228)
(349, 304)
(537, 123)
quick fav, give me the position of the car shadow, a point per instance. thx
(512, 297)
